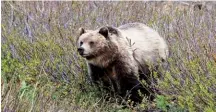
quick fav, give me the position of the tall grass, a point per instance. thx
(42, 71)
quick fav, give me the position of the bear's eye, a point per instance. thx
(81, 43)
(91, 43)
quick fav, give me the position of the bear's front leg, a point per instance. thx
(104, 76)
(95, 73)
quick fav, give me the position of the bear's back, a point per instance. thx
(147, 44)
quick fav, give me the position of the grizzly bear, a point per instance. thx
(119, 57)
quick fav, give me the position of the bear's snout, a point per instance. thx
(80, 50)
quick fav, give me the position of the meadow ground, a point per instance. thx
(42, 71)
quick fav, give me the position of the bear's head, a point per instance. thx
(91, 44)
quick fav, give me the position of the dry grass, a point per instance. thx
(41, 70)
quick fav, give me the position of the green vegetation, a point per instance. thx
(42, 71)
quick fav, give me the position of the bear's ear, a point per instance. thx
(81, 31)
(104, 31)
(108, 29)
(112, 30)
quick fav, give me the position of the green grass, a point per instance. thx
(42, 71)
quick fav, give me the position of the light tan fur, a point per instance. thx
(135, 41)
(148, 46)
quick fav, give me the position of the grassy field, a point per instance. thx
(42, 71)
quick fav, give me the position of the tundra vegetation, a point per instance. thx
(42, 71)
